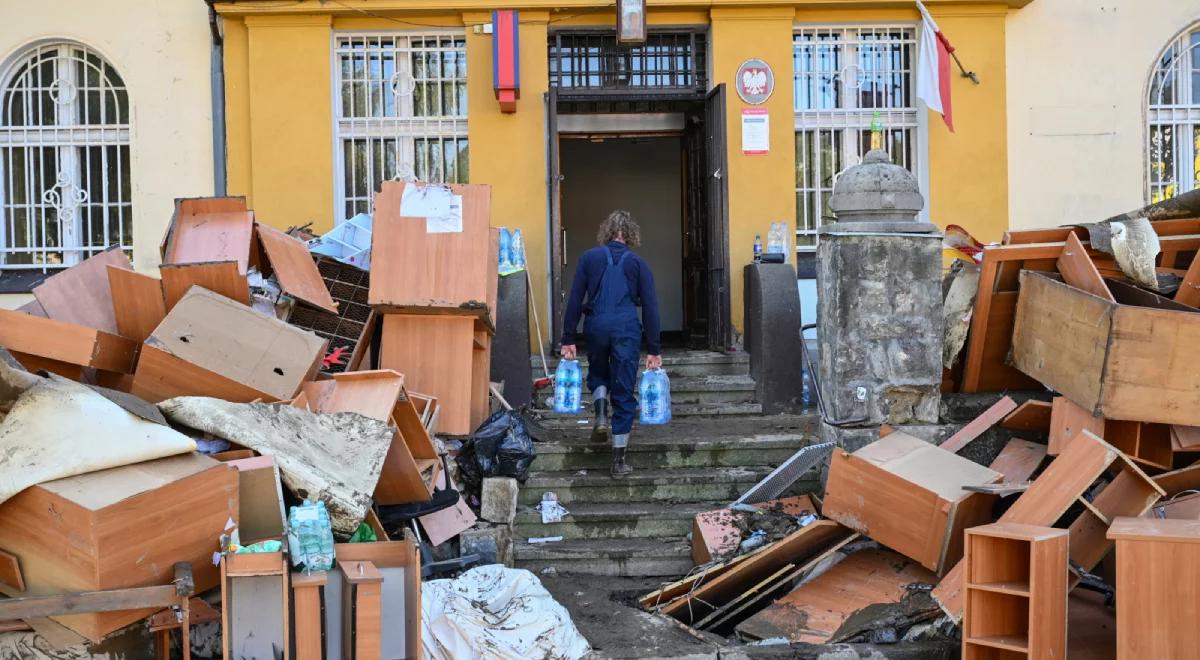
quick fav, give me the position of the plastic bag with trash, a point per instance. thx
(500, 447)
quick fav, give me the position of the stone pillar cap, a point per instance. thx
(877, 196)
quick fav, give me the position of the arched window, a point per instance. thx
(1173, 116)
(64, 158)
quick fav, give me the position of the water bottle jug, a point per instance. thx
(656, 397)
(518, 250)
(567, 393)
(505, 251)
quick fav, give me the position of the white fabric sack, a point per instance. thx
(496, 612)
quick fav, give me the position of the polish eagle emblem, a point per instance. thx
(754, 81)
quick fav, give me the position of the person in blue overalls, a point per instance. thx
(616, 282)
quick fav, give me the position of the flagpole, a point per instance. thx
(965, 74)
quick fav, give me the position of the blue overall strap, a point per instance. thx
(613, 293)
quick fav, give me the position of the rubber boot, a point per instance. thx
(600, 427)
(619, 467)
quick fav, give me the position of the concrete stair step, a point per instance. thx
(614, 520)
(642, 557)
(687, 390)
(568, 428)
(678, 485)
(736, 409)
(575, 451)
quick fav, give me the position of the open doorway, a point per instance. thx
(643, 175)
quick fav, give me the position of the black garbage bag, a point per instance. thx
(500, 447)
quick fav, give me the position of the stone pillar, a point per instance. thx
(879, 305)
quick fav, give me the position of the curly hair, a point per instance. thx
(620, 223)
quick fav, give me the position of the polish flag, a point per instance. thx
(933, 68)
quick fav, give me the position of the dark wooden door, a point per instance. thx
(695, 231)
(720, 334)
(554, 209)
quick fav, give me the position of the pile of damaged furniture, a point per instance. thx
(1063, 518)
(162, 436)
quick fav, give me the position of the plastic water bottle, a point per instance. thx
(506, 265)
(310, 536)
(517, 247)
(656, 397)
(568, 395)
(806, 388)
(757, 248)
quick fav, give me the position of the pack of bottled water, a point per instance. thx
(310, 536)
(512, 251)
(656, 397)
(568, 387)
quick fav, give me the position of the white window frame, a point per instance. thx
(69, 137)
(849, 119)
(1173, 102)
(396, 121)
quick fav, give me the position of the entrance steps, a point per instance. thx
(638, 526)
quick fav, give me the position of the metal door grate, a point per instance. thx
(593, 63)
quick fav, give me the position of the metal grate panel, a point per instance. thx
(842, 76)
(1173, 117)
(400, 110)
(65, 189)
(592, 63)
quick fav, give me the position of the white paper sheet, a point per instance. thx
(440, 207)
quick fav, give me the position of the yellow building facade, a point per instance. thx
(299, 139)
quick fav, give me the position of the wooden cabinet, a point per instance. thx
(1016, 592)
(1158, 588)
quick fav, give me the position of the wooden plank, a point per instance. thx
(1184, 507)
(814, 611)
(1019, 460)
(1177, 481)
(1061, 337)
(36, 363)
(1127, 293)
(112, 600)
(294, 268)
(1186, 438)
(798, 546)
(1139, 384)
(413, 270)
(1078, 270)
(137, 302)
(999, 376)
(205, 237)
(10, 572)
(715, 533)
(1058, 487)
(908, 495)
(980, 424)
(217, 276)
(81, 293)
(1158, 587)
(1189, 287)
(401, 566)
(308, 624)
(1067, 420)
(1033, 415)
(65, 342)
(161, 376)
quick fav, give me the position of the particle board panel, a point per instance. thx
(137, 302)
(1067, 420)
(217, 276)
(255, 607)
(35, 363)
(1130, 493)
(161, 376)
(1033, 415)
(294, 268)
(436, 355)
(1189, 287)
(421, 272)
(198, 235)
(10, 572)
(400, 566)
(1184, 507)
(1146, 444)
(1078, 270)
(715, 533)
(81, 293)
(1177, 481)
(814, 611)
(1045, 501)
(117, 529)
(1158, 587)
(908, 495)
(63, 341)
(1019, 459)
(707, 596)
(230, 339)
(1186, 438)
(188, 206)
(361, 610)
(308, 620)
(976, 427)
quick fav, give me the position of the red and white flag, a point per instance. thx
(933, 68)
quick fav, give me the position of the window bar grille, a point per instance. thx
(1173, 120)
(591, 62)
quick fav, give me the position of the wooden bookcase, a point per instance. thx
(1016, 592)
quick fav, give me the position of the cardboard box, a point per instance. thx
(908, 495)
(1117, 359)
(119, 528)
